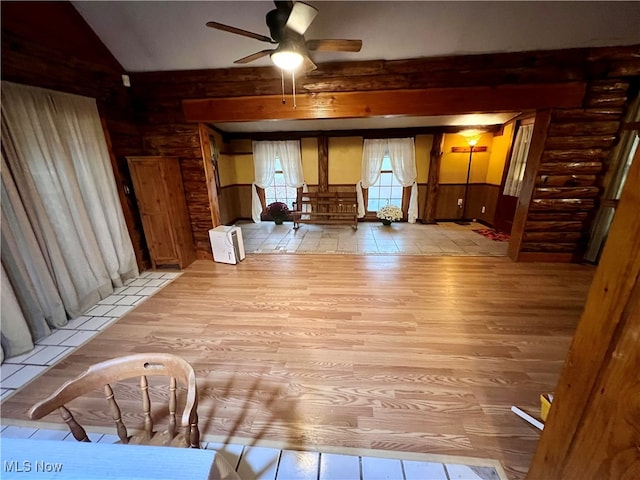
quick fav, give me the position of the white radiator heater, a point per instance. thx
(227, 244)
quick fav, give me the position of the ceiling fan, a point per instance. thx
(287, 24)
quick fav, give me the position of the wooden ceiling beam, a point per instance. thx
(418, 102)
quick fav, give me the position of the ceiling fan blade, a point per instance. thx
(301, 17)
(334, 45)
(255, 56)
(239, 31)
(308, 65)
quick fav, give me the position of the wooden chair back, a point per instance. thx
(142, 365)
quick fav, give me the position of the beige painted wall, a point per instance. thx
(309, 152)
(498, 156)
(423, 154)
(227, 169)
(243, 161)
(453, 168)
(345, 160)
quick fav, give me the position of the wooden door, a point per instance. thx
(151, 195)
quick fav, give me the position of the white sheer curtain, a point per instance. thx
(264, 165)
(373, 151)
(64, 238)
(402, 153)
(513, 183)
(403, 165)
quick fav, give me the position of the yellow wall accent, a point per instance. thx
(309, 153)
(453, 168)
(236, 167)
(243, 160)
(227, 169)
(226, 163)
(423, 155)
(345, 160)
(244, 169)
(498, 156)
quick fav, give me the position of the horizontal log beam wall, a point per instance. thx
(572, 170)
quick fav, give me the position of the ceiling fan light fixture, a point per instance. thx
(287, 60)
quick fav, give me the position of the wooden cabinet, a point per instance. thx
(157, 182)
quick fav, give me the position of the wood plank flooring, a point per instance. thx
(403, 353)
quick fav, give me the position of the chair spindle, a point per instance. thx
(76, 429)
(116, 414)
(172, 407)
(194, 434)
(146, 407)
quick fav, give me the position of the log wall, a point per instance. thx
(570, 176)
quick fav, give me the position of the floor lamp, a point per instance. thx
(472, 137)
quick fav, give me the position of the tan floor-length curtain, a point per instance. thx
(63, 224)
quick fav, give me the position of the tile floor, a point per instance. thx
(266, 463)
(251, 462)
(18, 371)
(371, 238)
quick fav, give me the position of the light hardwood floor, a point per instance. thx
(404, 353)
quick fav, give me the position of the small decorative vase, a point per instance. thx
(386, 223)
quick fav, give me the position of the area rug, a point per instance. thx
(493, 235)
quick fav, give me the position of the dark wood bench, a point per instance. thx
(326, 208)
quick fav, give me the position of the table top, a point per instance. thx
(45, 459)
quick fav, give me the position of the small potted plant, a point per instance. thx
(278, 212)
(388, 214)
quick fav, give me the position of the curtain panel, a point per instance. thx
(515, 175)
(373, 151)
(64, 239)
(264, 165)
(402, 154)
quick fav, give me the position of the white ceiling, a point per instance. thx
(171, 35)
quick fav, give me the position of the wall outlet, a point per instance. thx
(484, 209)
(459, 202)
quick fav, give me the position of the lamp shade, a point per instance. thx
(287, 60)
(471, 136)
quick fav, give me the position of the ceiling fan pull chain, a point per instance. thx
(282, 76)
(293, 80)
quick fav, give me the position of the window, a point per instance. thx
(387, 190)
(278, 190)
